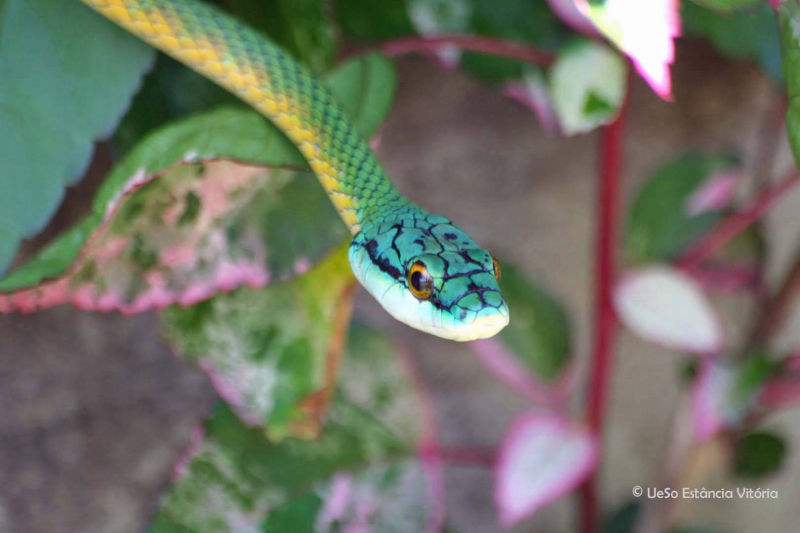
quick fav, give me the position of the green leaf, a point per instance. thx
(524, 21)
(587, 84)
(789, 21)
(272, 352)
(361, 459)
(302, 27)
(372, 21)
(758, 454)
(169, 92)
(539, 332)
(659, 225)
(622, 519)
(750, 34)
(239, 134)
(729, 5)
(84, 73)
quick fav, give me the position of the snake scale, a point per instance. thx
(424, 270)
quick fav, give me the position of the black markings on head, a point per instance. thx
(371, 246)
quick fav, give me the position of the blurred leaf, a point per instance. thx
(726, 391)
(440, 17)
(729, 5)
(235, 477)
(661, 221)
(758, 454)
(642, 30)
(239, 134)
(664, 306)
(272, 353)
(587, 84)
(622, 519)
(542, 458)
(169, 92)
(300, 26)
(538, 333)
(372, 21)
(51, 115)
(389, 498)
(788, 22)
(525, 21)
(368, 378)
(750, 34)
(365, 88)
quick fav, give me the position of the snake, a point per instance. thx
(421, 268)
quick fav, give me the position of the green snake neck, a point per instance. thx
(265, 76)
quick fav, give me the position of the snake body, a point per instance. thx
(421, 268)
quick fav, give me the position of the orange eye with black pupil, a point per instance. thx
(420, 281)
(496, 267)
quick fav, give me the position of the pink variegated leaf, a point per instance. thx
(543, 457)
(199, 229)
(666, 307)
(714, 194)
(644, 30)
(361, 474)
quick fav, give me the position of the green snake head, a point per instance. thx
(431, 275)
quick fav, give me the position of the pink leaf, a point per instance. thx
(543, 457)
(169, 240)
(666, 307)
(644, 30)
(714, 194)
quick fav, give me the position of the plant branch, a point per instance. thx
(736, 223)
(605, 323)
(776, 309)
(461, 455)
(486, 45)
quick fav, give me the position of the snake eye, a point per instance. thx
(496, 268)
(420, 281)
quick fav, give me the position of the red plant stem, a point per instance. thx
(467, 456)
(731, 226)
(486, 45)
(604, 318)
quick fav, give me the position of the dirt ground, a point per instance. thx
(96, 409)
